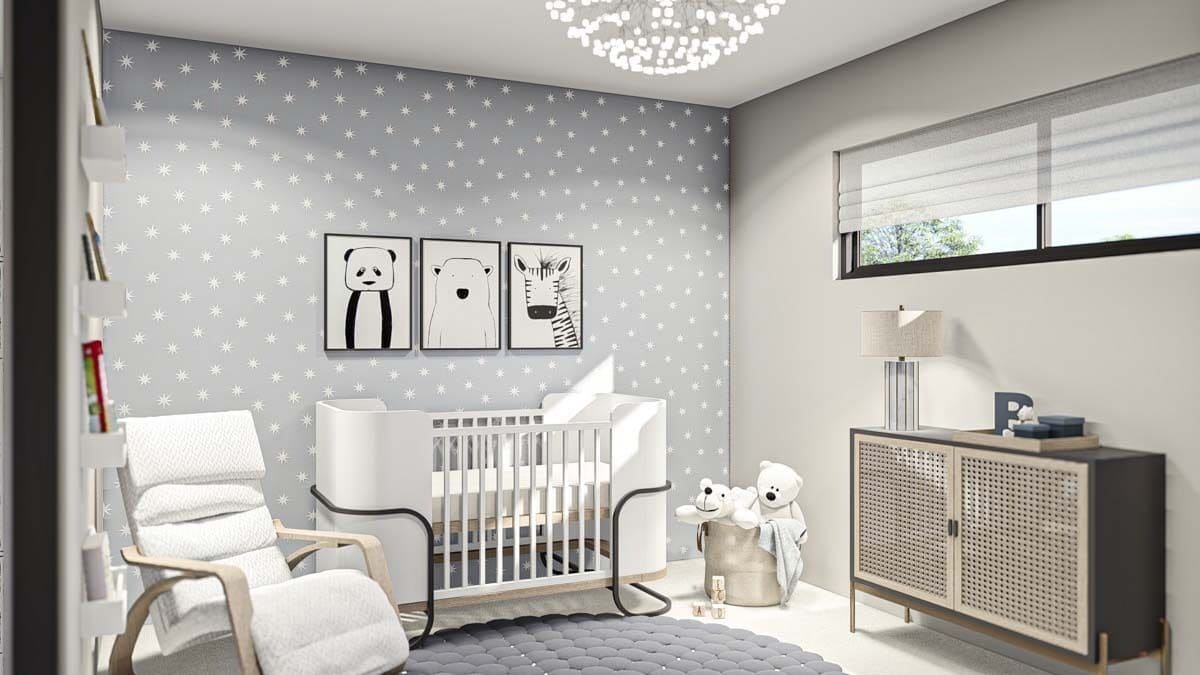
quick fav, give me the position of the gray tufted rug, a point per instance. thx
(608, 644)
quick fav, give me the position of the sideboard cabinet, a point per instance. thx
(1062, 553)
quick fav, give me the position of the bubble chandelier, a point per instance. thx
(663, 37)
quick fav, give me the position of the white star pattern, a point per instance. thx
(245, 157)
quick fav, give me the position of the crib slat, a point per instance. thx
(579, 503)
(481, 534)
(464, 535)
(564, 506)
(516, 498)
(532, 529)
(602, 454)
(445, 443)
(498, 458)
(546, 497)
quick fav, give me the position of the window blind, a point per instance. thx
(1132, 130)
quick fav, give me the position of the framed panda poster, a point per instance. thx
(460, 294)
(545, 296)
(368, 293)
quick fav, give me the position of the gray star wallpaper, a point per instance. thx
(241, 160)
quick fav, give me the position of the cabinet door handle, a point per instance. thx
(952, 528)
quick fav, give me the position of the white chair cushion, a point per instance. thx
(194, 611)
(198, 448)
(209, 538)
(173, 503)
(337, 622)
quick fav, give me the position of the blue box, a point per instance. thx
(1029, 430)
(1063, 426)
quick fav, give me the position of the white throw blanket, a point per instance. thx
(337, 622)
(782, 539)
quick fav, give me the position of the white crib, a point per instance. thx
(520, 502)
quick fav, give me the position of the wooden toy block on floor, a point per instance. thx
(718, 582)
(699, 608)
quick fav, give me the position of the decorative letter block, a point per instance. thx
(1007, 405)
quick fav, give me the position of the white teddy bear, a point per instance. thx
(716, 502)
(778, 487)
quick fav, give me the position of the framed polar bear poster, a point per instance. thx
(545, 296)
(460, 294)
(368, 293)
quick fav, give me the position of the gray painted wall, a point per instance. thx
(1112, 339)
(241, 159)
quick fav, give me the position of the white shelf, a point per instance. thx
(102, 152)
(102, 299)
(100, 451)
(107, 616)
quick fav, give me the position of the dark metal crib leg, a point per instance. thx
(616, 558)
(429, 609)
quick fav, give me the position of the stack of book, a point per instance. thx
(99, 419)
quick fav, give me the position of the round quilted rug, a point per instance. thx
(607, 644)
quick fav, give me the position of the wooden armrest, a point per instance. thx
(328, 538)
(372, 551)
(237, 600)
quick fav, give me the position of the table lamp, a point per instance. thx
(901, 333)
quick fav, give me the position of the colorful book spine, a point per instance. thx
(97, 250)
(97, 389)
(89, 258)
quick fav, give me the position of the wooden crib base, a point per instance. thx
(542, 547)
(508, 522)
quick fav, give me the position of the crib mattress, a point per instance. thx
(582, 479)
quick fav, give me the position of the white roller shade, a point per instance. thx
(1133, 130)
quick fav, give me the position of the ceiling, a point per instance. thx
(516, 39)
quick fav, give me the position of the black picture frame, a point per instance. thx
(402, 269)
(515, 282)
(422, 328)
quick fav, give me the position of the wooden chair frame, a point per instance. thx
(236, 589)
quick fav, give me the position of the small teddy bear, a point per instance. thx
(715, 502)
(777, 487)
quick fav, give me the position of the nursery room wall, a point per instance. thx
(1109, 338)
(241, 160)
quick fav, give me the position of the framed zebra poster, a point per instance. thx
(545, 296)
(460, 294)
(368, 293)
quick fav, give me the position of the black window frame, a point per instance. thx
(850, 252)
(849, 243)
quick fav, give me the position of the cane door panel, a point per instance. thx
(903, 503)
(1022, 544)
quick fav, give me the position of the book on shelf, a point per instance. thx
(96, 388)
(97, 249)
(89, 259)
(93, 252)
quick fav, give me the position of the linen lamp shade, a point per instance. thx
(902, 332)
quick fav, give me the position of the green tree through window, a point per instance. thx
(938, 238)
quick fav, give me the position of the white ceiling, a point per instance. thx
(516, 39)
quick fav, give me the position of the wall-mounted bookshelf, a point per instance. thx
(102, 299)
(102, 450)
(105, 616)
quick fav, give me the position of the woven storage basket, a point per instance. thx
(749, 571)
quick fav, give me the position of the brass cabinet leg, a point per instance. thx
(852, 600)
(907, 615)
(1102, 657)
(1164, 654)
